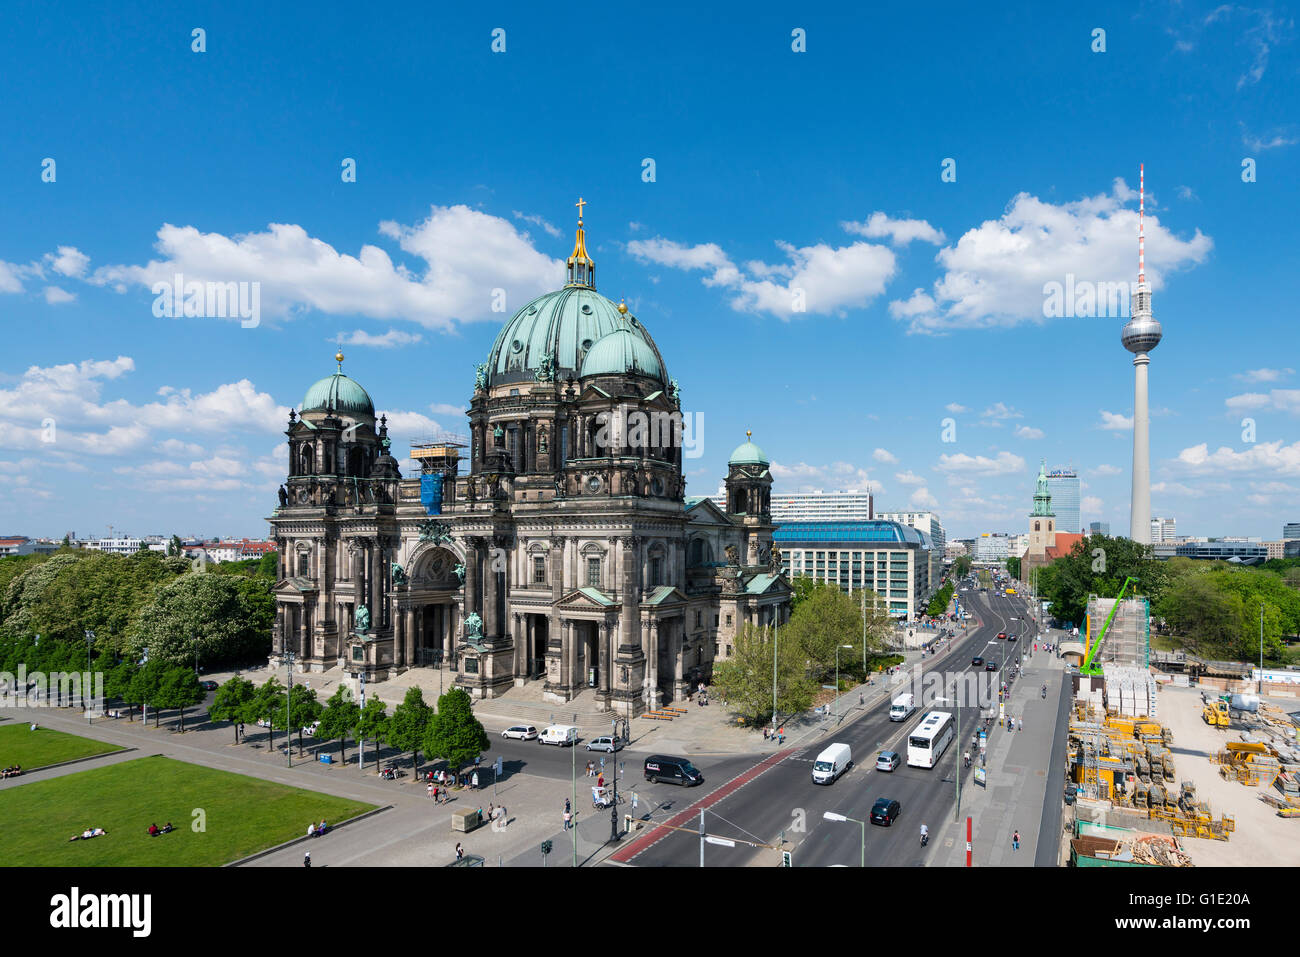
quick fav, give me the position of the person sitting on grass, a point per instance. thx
(167, 828)
(153, 830)
(323, 828)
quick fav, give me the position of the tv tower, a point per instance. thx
(1141, 334)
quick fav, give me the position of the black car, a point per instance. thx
(977, 660)
(885, 811)
(662, 767)
(990, 666)
(1011, 637)
(208, 685)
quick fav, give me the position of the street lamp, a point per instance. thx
(90, 637)
(956, 706)
(832, 816)
(288, 710)
(573, 761)
(613, 805)
(836, 705)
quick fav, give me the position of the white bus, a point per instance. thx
(929, 739)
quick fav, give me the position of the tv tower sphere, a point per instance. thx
(1141, 333)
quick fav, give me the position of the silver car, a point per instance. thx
(524, 732)
(888, 761)
(605, 744)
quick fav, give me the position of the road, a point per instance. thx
(783, 799)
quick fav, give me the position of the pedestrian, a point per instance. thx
(1020, 724)
(437, 793)
(492, 811)
(431, 789)
(1015, 841)
(765, 734)
(460, 852)
(566, 805)
(600, 780)
(306, 859)
(568, 817)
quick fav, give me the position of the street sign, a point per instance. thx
(828, 687)
(497, 767)
(786, 859)
(981, 777)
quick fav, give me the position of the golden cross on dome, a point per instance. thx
(580, 203)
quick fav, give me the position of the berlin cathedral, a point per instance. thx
(564, 551)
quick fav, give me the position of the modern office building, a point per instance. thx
(850, 505)
(992, 547)
(1291, 549)
(1063, 484)
(1099, 528)
(889, 558)
(1164, 529)
(1245, 552)
(1290, 531)
(1275, 549)
(927, 522)
(125, 545)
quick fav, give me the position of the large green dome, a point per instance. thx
(340, 394)
(620, 353)
(566, 324)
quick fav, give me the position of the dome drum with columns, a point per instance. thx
(563, 557)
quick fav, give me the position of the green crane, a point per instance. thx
(1088, 668)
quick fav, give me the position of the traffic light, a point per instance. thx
(546, 847)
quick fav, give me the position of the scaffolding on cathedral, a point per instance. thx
(439, 453)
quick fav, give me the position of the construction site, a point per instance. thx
(1165, 775)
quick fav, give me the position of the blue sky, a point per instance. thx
(777, 175)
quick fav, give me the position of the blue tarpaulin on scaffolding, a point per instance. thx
(431, 493)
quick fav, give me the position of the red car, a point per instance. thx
(1002, 634)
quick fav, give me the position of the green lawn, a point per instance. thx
(19, 744)
(241, 815)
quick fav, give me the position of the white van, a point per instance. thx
(831, 763)
(902, 707)
(561, 734)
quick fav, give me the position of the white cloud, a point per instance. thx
(1107, 470)
(1028, 432)
(1115, 422)
(536, 221)
(995, 274)
(69, 261)
(55, 296)
(1004, 463)
(956, 408)
(466, 255)
(1257, 144)
(411, 425)
(1261, 457)
(1264, 375)
(10, 277)
(838, 475)
(909, 478)
(922, 498)
(177, 447)
(446, 408)
(820, 279)
(1091, 504)
(1282, 400)
(884, 455)
(1186, 193)
(900, 232)
(389, 340)
(1000, 410)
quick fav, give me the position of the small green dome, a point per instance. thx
(747, 453)
(619, 353)
(339, 393)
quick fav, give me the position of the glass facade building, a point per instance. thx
(888, 558)
(1063, 484)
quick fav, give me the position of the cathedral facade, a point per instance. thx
(565, 551)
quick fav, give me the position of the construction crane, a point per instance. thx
(1088, 668)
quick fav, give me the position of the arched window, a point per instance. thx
(305, 461)
(1037, 526)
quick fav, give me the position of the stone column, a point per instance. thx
(493, 626)
(652, 666)
(472, 603)
(571, 683)
(376, 583)
(358, 586)
(604, 659)
(399, 640)
(409, 636)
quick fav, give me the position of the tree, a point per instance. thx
(179, 688)
(372, 723)
(939, 603)
(454, 733)
(214, 608)
(231, 701)
(407, 726)
(145, 685)
(961, 566)
(339, 719)
(267, 704)
(1013, 567)
(175, 548)
(303, 709)
(824, 620)
(745, 679)
(117, 683)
